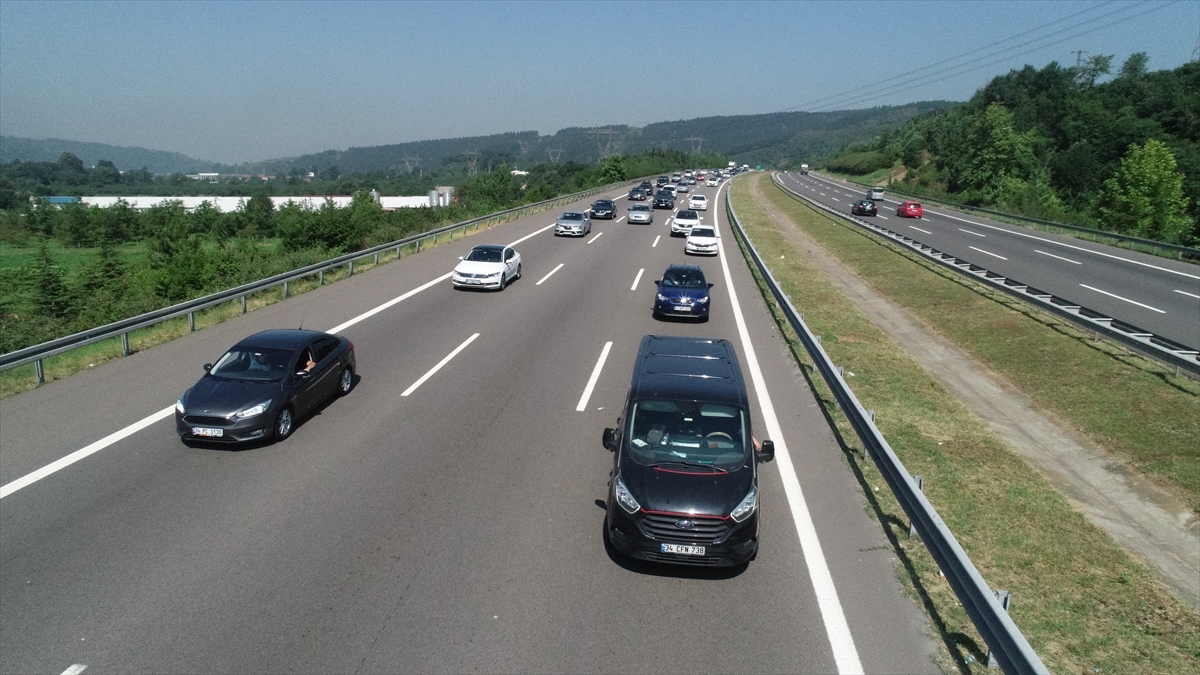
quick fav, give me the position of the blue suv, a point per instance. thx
(682, 291)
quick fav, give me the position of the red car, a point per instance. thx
(910, 210)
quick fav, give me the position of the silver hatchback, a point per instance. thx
(641, 213)
(575, 223)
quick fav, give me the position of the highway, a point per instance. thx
(456, 528)
(1156, 294)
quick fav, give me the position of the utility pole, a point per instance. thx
(411, 162)
(472, 159)
(1079, 65)
(605, 146)
(696, 141)
(554, 153)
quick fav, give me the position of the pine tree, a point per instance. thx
(50, 294)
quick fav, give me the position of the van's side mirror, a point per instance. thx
(767, 453)
(207, 367)
(610, 439)
(658, 282)
(710, 284)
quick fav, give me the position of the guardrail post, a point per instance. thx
(418, 249)
(244, 297)
(920, 481)
(351, 269)
(435, 238)
(40, 369)
(398, 252)
(286, 291)
(1005, 598)
(191, 322)
(321, 277)
(376, 258)
(125, 344)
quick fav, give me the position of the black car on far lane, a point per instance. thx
(864, 207)
(648, 187)
(263, 384)
(637, 194)
(604, 209)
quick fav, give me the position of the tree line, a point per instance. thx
(1122, 155)
(71, 267)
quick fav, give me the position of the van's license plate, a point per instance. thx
(682, 308)
(205, 431)
(680, 549)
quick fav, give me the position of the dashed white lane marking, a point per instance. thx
(656, 241)
(75, 669)
(637, 279)
(1190, 295)
(970, 232)
(370, 313)
(1132, 302)
(594, 238)
(919, 229)
(438, 367)
(835, 199)
(1073, 262)
(879, 216)
(539, 283)
(532, 234)
(587, 391)
(845, 654)
(987, 253)
(619, 219)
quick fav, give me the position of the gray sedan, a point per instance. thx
(641, 213)
(575, 223)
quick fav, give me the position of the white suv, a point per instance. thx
(684, 221)
(698, 203)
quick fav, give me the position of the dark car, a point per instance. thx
(637, 194)
(910, 210)
(682, 291)
(648, 187)
(604, 209)
(664, 199)
(684, 485)
(663, 180)
(864, 207)
(263, 384)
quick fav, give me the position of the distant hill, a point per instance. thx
(49, 149)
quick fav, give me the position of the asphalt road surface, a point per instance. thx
(456, 528)
(1158, 295)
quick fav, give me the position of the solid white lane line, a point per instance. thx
(1132, 302)
(1073, 262)
(594, 238)
(970, 232)
(532, 234)
(365, 315)
(587, 391)
(914, 227)
(845, 654)
(1190, 295)
(30, 478)
(656, 241)
(987, 253)
(438, 367)
(539, 283)
(637, 279)
(75, 669)
(1078, 248)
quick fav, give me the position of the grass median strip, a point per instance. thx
(1083, 603)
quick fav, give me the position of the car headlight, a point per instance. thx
(747, 506)
(702, 301)
(179, 406)
(625, 497)
(252, 411)
(660, 297)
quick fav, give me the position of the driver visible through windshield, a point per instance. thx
(684, 279)
(260, 364)
(688, 432)
(484, 255)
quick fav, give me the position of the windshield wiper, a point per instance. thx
(690, 465)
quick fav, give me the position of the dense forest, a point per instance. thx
(67, 268)
(1055, 143)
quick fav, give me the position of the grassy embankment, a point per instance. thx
(1085, 606)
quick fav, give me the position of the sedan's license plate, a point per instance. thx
(681, 549)
(206, 431)
(682, 308)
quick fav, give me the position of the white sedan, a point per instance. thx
(713, 181)
(698, 203)
(488, 266)
(702, 240)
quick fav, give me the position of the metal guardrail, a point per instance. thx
(1181, 251)
(1008, 646)
(1184, 359)
(36, 354)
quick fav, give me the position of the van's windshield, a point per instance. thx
(688, 432)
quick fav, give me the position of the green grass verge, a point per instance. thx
(1084, 605)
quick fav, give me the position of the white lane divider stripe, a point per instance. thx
(1073, 262)
(75, 669)
(969, 232)
(539, 283)
(845, 654)
(656, 241)
(619, 219)
(1132, 302)
(879, 216)
(637, 279)
(533, 234)
(914, 227)
(370, 313)
(30, 478)
(587, 391)
(594, 238)
(438, 367)
(987, 253)
(1190, 295)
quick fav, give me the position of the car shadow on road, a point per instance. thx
(647, 568)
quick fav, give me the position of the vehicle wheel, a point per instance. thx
(518, 270)
(284, 423)
(503, 282)
(345, 382)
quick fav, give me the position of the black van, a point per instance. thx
(684, 484)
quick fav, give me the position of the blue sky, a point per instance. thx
(243, 81)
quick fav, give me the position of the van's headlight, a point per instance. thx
(625, 497)
(747, 506)
(702, 301)
(251, 412)
(660, 297)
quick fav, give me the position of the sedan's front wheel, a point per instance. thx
(345, 382)
(518, 271)
(283, 424)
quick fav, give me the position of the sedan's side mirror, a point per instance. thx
(207, 367)
(610, 439)
(460, 257)
(303, 374)
(767, 453)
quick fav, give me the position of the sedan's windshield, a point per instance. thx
(688, 431)
(604, 204)
(640, 207)
(262, 364)
(571, 215)
(684, 279)
(703, 232)
(484, 255)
